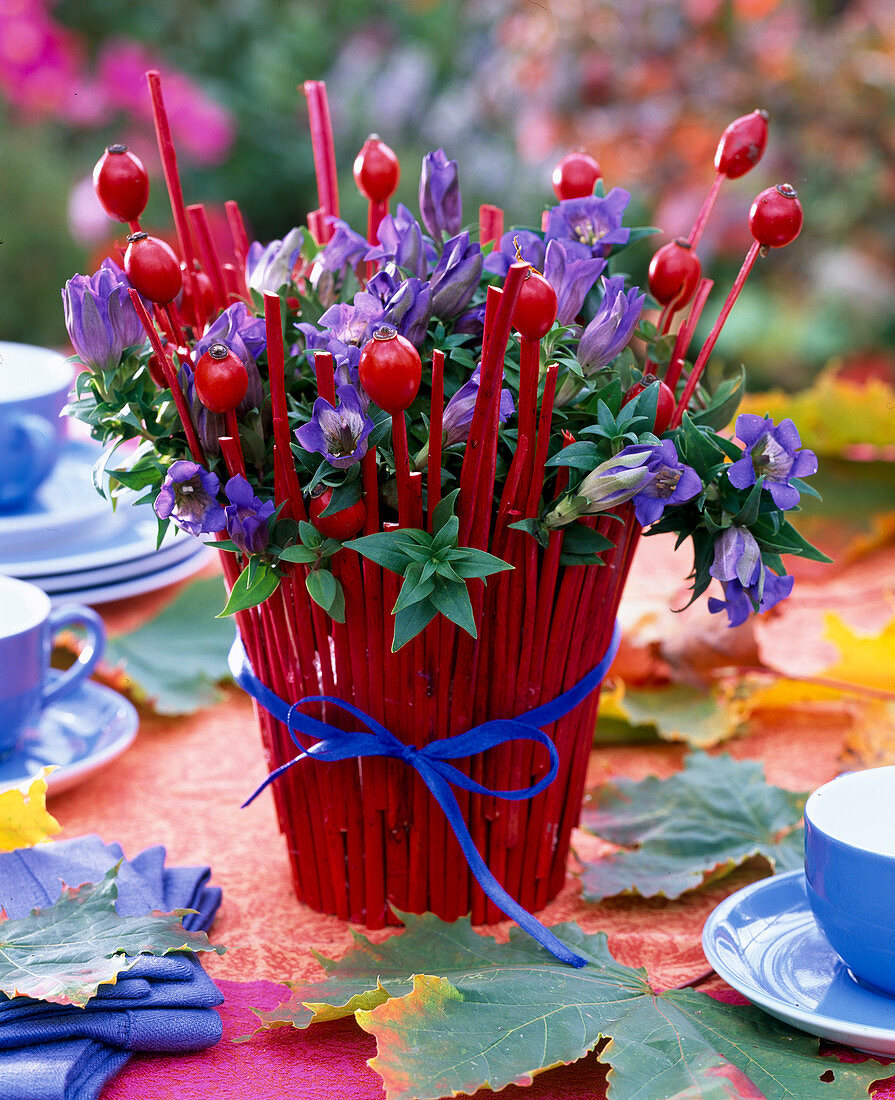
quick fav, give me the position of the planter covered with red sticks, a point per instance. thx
(427, 456)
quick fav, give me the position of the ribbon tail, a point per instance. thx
(275, 774)
(444, 796)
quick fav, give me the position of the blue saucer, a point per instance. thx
(764, 941)
(80, 733)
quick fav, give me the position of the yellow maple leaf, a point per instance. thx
(834, 414)
(24, 818)
(867, 660)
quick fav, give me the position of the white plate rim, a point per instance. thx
(136, 586)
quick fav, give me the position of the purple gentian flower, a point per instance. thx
(100, 316)
(738, 603)
(747, 583)
(472, 321)
(409, 310)
(772, 452)
(268, 267)
(246, 516)
(612, 326)
(189, 496)
(571, 278)
(590, 226)
(246, 336)
(441, 206)
(456, 276)
(672, 482)
(353, 324)
(346, 248)
(457, 417)
(530, 245)
(401, 241)
(338, 433)
(613, 482)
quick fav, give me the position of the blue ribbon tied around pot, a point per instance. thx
(431, 762)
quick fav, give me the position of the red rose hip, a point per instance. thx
(340, 525)
(152, 268)
(390, 370)
(576, 176)
(376, 170)
(742, 145)
(674, 273)
(775, 218)
(121, 183)
(665, 403)
(221, 379)
(535, 307)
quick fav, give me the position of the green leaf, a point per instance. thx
(723, 404)
(700, 823)
(247, 593)
(298, 553)
(176, 659)
(62, 954)
(410, 621)
(387, 548)
(325, 590)
(444, 509)
(452, 600)
(468, 562)
(453, 1011)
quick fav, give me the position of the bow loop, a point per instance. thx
(431, 762)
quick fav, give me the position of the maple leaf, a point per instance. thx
(24, 819)
(699, 823)
(675, 712)
(63, 953)
(468, 1012)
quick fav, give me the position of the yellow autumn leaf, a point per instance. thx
(834, 414)
(867, 660)
(24, 819)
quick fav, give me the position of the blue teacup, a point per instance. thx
(28, 625)
(34, 385)
(850, 871)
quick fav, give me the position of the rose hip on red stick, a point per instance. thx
(221, 379)
(576, 176)
(152, 268)
(664, 404)
(674, 273)
(121, 184)
(742, 145)
(775, 218)
(390, 371)
(536, 307)
(376, 170)
(340, 525)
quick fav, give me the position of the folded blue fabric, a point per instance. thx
(161, 1003)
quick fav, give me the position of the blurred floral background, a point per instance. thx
(506, 87)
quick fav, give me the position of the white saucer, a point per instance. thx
(764, 941)
(175, 550)
(135, 586)
(81, 733)
(67, 509)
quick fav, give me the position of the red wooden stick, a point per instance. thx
(317, 224)
(276, 365)
(326, 385)
(172, 178)
(232, 452)
(170, 377)
(536, 485)
(490, 223)
(436, 413)
(402, 470)
(237, 232)
(211, 261)
(324, 150)
(709, 345)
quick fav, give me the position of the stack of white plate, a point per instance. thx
(71, 544)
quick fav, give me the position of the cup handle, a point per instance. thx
(61, 618)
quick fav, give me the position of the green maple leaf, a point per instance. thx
(65, 952)
(700, 823)
(453, 1012)
(177, 659)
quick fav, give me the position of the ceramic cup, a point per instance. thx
(28, 625)
(850, 871)
(34, 385)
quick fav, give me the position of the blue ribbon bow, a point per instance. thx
(430, 762)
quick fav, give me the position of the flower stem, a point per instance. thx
(703, 215)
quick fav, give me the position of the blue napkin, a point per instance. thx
(162, 1003)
